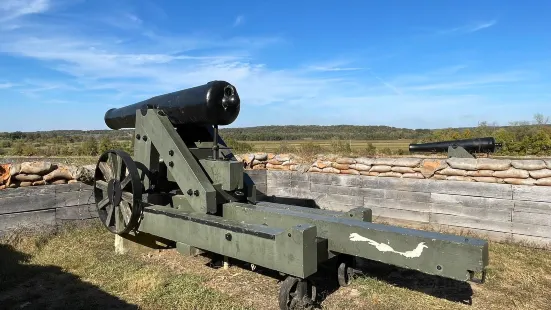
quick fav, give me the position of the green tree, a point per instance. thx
(89, 147)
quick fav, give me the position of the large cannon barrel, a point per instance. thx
(214, 103)
(477, 145)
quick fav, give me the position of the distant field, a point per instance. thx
(273, 146)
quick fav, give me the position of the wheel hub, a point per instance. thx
(114, 191)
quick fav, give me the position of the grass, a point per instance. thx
(77, 266)
(355, 145)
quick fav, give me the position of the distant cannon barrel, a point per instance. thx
(478, 145)
(214, 103)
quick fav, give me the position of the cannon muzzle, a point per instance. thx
(477, 145)
(214, 103)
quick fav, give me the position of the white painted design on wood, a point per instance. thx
(383, 247)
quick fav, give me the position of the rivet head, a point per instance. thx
(144, 138)
(196, 192)
(171, 164)
(228, 236)
(171, 153)
(189, 192)
(138, 136)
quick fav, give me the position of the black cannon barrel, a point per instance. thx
(214, 103)
(481, 145)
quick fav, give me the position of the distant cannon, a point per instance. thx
(458, 148)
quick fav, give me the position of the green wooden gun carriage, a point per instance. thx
(183, 184)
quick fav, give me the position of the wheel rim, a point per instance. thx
(117, 191)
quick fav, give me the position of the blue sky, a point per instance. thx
(415, 64)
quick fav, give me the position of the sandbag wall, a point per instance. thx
(40, 173)
(485, 170)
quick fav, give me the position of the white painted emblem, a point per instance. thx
(383, 247)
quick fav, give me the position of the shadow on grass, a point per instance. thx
(439, 287)
(25, 286)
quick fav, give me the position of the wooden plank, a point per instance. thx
(86, 197)
(476, 189)
(300, 184)
(66, 199)
(321, 178)
(347, 190)
(408, 185)
(531, 218)
(299, 176)
(278, 175)
(405, 195)
(336, 202)
(543, 208)
(257, 176)
(80, 212)
(33, 219)
(396, 204)
(531, 230)
(472, 201)
(485, 213)
(27, 191)
(62, 188)
(293, 192)
(27, 203)
(278, 183)
(536, 242)
(469, 222)
(532, 193)
(347, 180)
(478, 233)
(408, 215)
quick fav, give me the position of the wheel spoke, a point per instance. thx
(128, 197)
(105, 170)
(112, 159)
(103, 203)
(126, 211)
(126, 181)
(101, 185)
(110, 211)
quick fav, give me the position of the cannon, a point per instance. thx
(184, 188)
(466, 148)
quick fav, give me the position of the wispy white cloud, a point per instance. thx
(6, 85)
(239, 20)
(13, 9)
(469, 28)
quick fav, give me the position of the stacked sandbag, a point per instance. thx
(42, 173)
(488, 170)
(4, 175)
(270, 161)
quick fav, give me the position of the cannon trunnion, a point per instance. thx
(183, 185)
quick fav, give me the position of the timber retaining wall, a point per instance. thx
(47, 206)
(499, 212)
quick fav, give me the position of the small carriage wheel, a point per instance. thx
(118, 191)
(295, 293)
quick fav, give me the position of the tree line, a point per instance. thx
(517, 138)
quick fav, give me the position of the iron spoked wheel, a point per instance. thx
(118, 191)
(295, 294)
